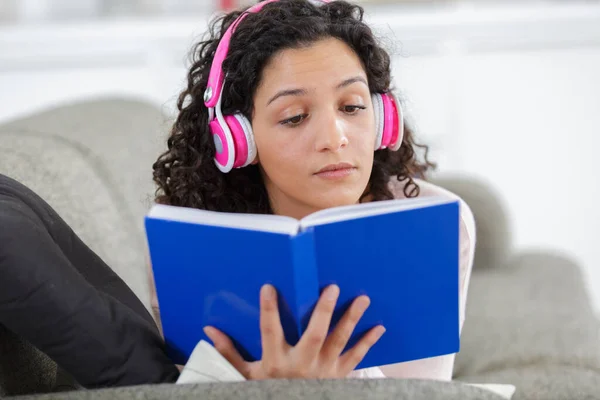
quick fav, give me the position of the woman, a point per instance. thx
(305, 76)
(301, 83)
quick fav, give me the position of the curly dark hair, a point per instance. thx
(186, 174)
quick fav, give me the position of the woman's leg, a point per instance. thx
(60, 296)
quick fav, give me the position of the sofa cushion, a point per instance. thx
(548, 382)
(121, 138)
(536, 312)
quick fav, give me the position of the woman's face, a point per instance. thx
(313, 113)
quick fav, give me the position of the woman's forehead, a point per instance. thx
(322, 64)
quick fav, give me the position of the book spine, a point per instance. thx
(306, 279)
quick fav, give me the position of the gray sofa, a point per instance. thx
(529, 319)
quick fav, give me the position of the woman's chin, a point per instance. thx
(339, 201)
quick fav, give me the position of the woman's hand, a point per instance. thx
(316, 355)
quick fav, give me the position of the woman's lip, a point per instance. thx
(334, 167)
(336, 173)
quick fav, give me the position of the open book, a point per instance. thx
(404, 254)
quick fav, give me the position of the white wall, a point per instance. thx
(529, 122)
(508, 94)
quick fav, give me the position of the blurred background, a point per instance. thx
(507, 91)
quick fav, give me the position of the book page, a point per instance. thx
(206, 364)
(356, 211)
(257, 222)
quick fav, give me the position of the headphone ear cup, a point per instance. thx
(393, 123)
(248, 137)
(224, 146)
(398, 125)
(378, 113)
(243, 139)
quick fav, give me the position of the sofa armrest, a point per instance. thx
(492, 220)
(334, 389)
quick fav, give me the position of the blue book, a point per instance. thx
(404, 254)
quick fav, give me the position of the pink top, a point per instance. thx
(438, 368)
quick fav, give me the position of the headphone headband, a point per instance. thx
(216, 78)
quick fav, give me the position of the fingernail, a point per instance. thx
(332, 292)
(212, 335)
(364, 302)
(380, 331)
(209, 330)
(268, 292)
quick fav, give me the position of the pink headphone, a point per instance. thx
(232, 134)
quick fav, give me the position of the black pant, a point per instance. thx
(59, 295)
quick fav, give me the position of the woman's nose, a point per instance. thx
(331, 135)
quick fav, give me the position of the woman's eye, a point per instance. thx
(294, 121)
(353, 109)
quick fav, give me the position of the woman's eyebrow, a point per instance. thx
(287, 92)
(303, 92)
(350, 81)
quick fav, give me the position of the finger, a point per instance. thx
(310, 344)
(337, 341)
(271, 332)
(225, 346)
(350, 359)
